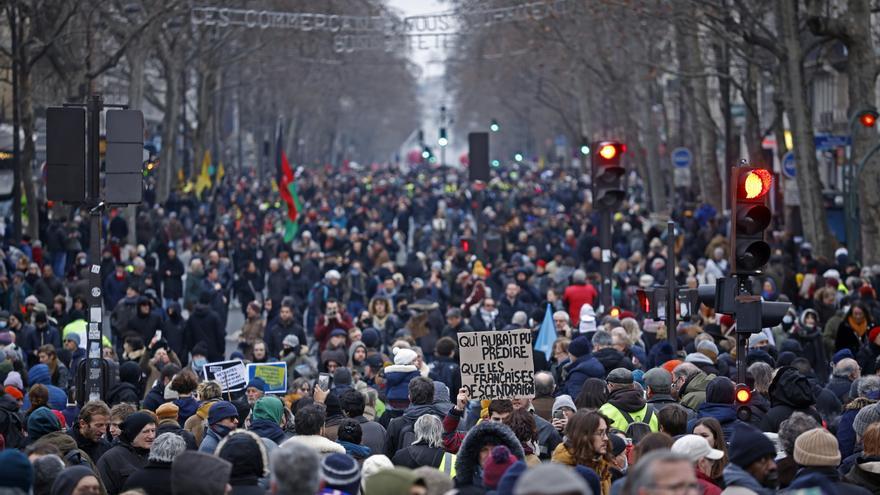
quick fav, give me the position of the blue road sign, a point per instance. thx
(682, 157)
(825, 142)
(788, 165)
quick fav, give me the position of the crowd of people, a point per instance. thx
(365, 305)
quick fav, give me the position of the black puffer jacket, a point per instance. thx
(118, 463)
(154, 478)
(611, 359)
(790, 391)
(247, 453)
(418, 455)
(467, 461)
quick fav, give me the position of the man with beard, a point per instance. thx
(90, 428)
(752, 466)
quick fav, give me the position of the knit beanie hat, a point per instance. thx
(269, 407)
(133, 424)
(511, 476)
(341, 472)
(41, 422)
(865, 417)
(220, 411)
(757, 338)
(749, 444)
(257, 383)
(404, 356)
(708, 348)
(563, 400)
(579, 346)
(391, 481)
(370, 337)
(816, 448)
(14, 379)
(373, 465)
(16, 470)
(168, 410)
(720, 391)
(499, 460)
(14, 392)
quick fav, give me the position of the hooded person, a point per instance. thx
(197, 473)
(357, 354)
(718, 405)
(266, 419)
(75, 480)
(155, 477)
(131, 454)
(476, 446)
(398, 376)
(41, 422)
(626, 404)
(582, 365)
(789, 391)
(249, 459)
(705, 357)
(128, 387)
(39, 374)
(751, 465)
(222, 419)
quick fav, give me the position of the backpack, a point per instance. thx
(645, 422)
(406, 436)
(12, 428)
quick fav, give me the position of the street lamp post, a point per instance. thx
(866, 117)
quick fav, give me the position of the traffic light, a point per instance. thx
(754, 314)
(466, 243)
(443, 141)
(868, 118)
(585, 147)
(608, 188)
(493, 126)
(496, 163)
(751, 217)
(743, 401)
(518, 157)
(652, 302)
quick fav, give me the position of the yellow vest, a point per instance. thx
(619, 421)
(447, 465)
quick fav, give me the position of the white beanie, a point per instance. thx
(404, 356)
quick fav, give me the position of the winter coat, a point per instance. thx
(467, 461)
(418, 455)
(602, 468)
(172, 284)
(611, 359)
(123, 392)
(57, 397)
(210, 442)
(325, 326)
(693, 392)
(827, 479)
(373, 434)
(724, 413)
(145, 325)
(12, 424)
(790, 391)
(95, 450)
(740, 482)
(155, 397)
(846, 435)
(172, 426)
(447, 371)
(578, 371)
(118, 463)
(627, 400)
(867, 357)
(266, 428)
(548, 437)
(322, 445)
(154, 478)
(252, 330)
(37, 337)
(397, 378)
(839, 386)
(277, 330)
(188, 407)
(204, 326)
(866, 473)
(173, 332)
(395, 436)
(759, 406)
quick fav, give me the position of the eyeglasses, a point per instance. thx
(683, 487)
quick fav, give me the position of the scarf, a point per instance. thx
(859, 329)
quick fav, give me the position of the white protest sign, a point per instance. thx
(497, 365)
(231, 375)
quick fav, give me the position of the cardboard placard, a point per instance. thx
(274, 374)
(231, 375)
(497, 365)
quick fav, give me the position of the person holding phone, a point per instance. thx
(563, 409)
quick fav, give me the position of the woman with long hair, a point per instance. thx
(593, 394)
(710, 429)
(586, 443)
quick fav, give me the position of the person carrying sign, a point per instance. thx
(625, 404)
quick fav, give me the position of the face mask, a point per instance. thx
(221, 430)
(787, 320)
(199, 363)
(2, 324)
(82, 262)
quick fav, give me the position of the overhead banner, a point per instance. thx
(274, 374)
(497, 365)
(231, 375)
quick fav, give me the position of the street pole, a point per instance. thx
(605, 266)
(671, 287)
(94, 378)
(16, 128)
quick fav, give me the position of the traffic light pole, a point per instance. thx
(605, 267)
(94, 379)
(671, 288)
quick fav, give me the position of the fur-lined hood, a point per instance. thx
(400, 368)
(323, 445)
(858, 403)
(241, 458)
(485, 432)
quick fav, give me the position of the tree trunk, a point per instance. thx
(813, 214)
(689, 126)
(28, 127)
(753, 136)
(170, 125)
(656, 185)
(707, 166)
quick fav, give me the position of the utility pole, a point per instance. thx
(671, 288)
(16, 126)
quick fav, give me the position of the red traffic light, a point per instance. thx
(466, 245)
(644, 301)
(610, 150)
(868, 119)
(743, 394)
(754, 183)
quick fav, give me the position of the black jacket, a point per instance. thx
(204, 326)
(418, 455)
(118, 463)
(468, 458)
(611, 359)
(790, 391)
(866, 473)
(446, 370)
(277, 330)
(123, 392)
(145, 325)
(94, 449)
(395, 434)
(155, 397)
(154, 478)
(172, 285)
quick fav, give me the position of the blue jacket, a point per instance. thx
(266, 428)
(397, 378)
(57, 397)
(724, 413)
(846, 435)
(188, 407)
(579, 370)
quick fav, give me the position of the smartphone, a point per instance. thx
(158, 334)
(324, 380)
(558, 414)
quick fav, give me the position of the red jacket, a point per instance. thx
(709, 488)
(324, 327)
(576, 296)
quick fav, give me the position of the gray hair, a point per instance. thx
(429, 431)
(643, 473)
(166, 447)
(602, 338)
(685, 370)
(792, 428)
(545, 384)
(762, 373)
(868, 384)
(296, 469)
(46, 469)
(845, 368)
(520, 318)
(579, 276)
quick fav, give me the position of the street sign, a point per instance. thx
(825, 142)
(789, 165)
(682, 157)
